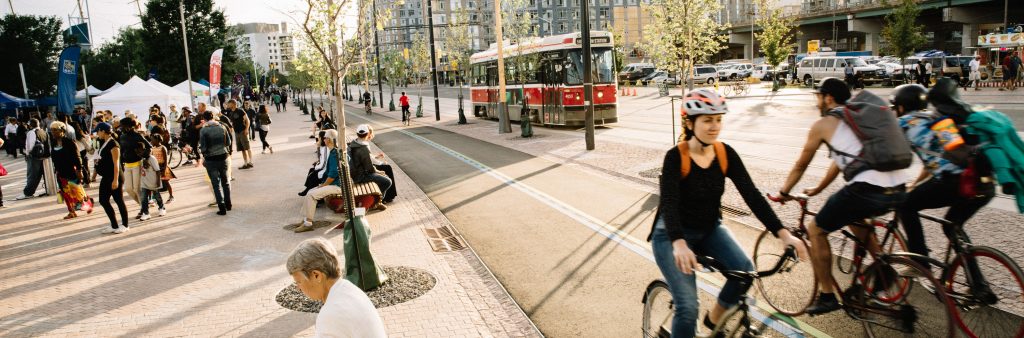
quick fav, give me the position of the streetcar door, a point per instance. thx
(551, 80)
(492, 91)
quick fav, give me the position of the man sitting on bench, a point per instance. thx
(330, 186)
(361, 165)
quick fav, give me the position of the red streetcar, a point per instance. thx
(553, 88)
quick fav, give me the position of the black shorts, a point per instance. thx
(858, 201)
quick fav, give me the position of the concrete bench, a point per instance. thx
(366, 193)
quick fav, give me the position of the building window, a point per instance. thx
(561, 27)
(471, 4)
(602, 13)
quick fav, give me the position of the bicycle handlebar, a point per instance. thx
(714, 265)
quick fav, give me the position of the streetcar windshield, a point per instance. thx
(602, 66)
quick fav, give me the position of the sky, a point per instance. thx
(108, 16)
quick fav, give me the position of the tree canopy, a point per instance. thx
(35, 42)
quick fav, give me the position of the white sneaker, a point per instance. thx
(109, 230)
(162, 212)
(22, 197)
(121, 230)
(144, 217)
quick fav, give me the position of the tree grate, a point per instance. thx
(444, 239)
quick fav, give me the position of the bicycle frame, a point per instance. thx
(957, 247)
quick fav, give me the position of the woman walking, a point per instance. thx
(67, 163)
(111, 181)
(129, 140)
(263, 124)
(11, 134)
(84, 143)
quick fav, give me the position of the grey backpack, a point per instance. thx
(885, 148)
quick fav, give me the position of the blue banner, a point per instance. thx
(67, 79)
(152, 74)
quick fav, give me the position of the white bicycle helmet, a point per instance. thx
(703, 102)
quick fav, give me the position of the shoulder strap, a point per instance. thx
(723, 160)
(684, 156)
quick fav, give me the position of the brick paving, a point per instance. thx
(193, 273)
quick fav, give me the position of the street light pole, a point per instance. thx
(433, 59)
(588, 78)
(376, 43)
(503, 124)
(184, 41)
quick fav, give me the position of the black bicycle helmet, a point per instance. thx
(946, 100)
(834, 87)
(909, 96)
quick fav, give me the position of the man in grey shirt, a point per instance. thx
(216, 148)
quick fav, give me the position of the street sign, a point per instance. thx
(812, 46)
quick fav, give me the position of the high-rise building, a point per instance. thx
(268, 45)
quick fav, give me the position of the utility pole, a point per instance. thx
(139, 6)
(376, 44)
(21, 67)
(11, 3)
(503, 124)
(433, 60)
(588, 78)
(1006, 14)
(753, 15)
(188, 65)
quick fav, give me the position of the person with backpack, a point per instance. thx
(688, 222)
(37, 149)
(215, 144)
(867, 146)
(130, 140)
(934, 137)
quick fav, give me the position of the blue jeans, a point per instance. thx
(218, 173)
(720, 245)
(382, 181)
(33, 174)
(146, 194)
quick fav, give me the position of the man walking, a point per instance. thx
(277, 101)
(975, 76)
(1011, 63)
(36, 150)
(216, 145)
(240, 123)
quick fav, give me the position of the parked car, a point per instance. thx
(735, 71)
(648, 79)
(813, 69)
(705, 74)
(669, 79)
(636, 71)
(895, 71)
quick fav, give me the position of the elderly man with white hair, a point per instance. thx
(347, 311)
(330, 186)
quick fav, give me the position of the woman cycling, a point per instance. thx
(688, 222)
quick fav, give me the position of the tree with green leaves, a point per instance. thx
(420, 62)
(901, 32)
(117, 60)
(35, 42)
(776, 36)
(458, 46)
(207, 32)
(618, 46)
(683, 33)
(520, 64)
(395, 69)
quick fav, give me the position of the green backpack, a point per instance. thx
(1002, 146)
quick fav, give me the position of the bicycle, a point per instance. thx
(176, 152)
(735, 322)
(737, 88)
(881, 288)
(406, 119)
(985, 285)
(367, 105)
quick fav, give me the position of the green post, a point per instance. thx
(373, 100)
(419, 108)
(524, 122)
(391, 105)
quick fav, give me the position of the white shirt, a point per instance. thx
(846, 141)
(30, 140)
(348, 312)
(928, 67)
(975, 65)
(11, 128)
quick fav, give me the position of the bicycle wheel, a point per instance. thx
(894, 308)
(658, 311)
(893, 244)
(740, 324)
(791, 290)
(978, 315)
(174, 158)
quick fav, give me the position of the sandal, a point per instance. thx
(70, 216)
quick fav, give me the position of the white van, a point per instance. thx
(814, 68)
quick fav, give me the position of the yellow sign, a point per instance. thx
(812, 46)
(455, 64)
(405, 52)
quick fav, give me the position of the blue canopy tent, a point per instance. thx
(8, 101)
(52, 101)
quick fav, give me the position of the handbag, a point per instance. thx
(973, 184)
(3, 171)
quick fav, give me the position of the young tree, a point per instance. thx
(682, 33)
(521, 65)
(35, 42)
(776, 36)
(902, 34)
(420, 59)
(395, 69)
(458, 45)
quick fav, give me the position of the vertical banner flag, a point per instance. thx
(215, 61)
(67, 79)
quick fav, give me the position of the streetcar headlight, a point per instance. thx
(600, 95)
(577, 96)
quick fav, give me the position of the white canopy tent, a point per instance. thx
(199, 91)
(112, 88)
(138, 95)
(93, 91)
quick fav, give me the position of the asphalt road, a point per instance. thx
(569, 246)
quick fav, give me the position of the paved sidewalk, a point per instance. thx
(193, 273)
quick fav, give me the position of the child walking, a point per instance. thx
(160, 152)
(150, 184)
